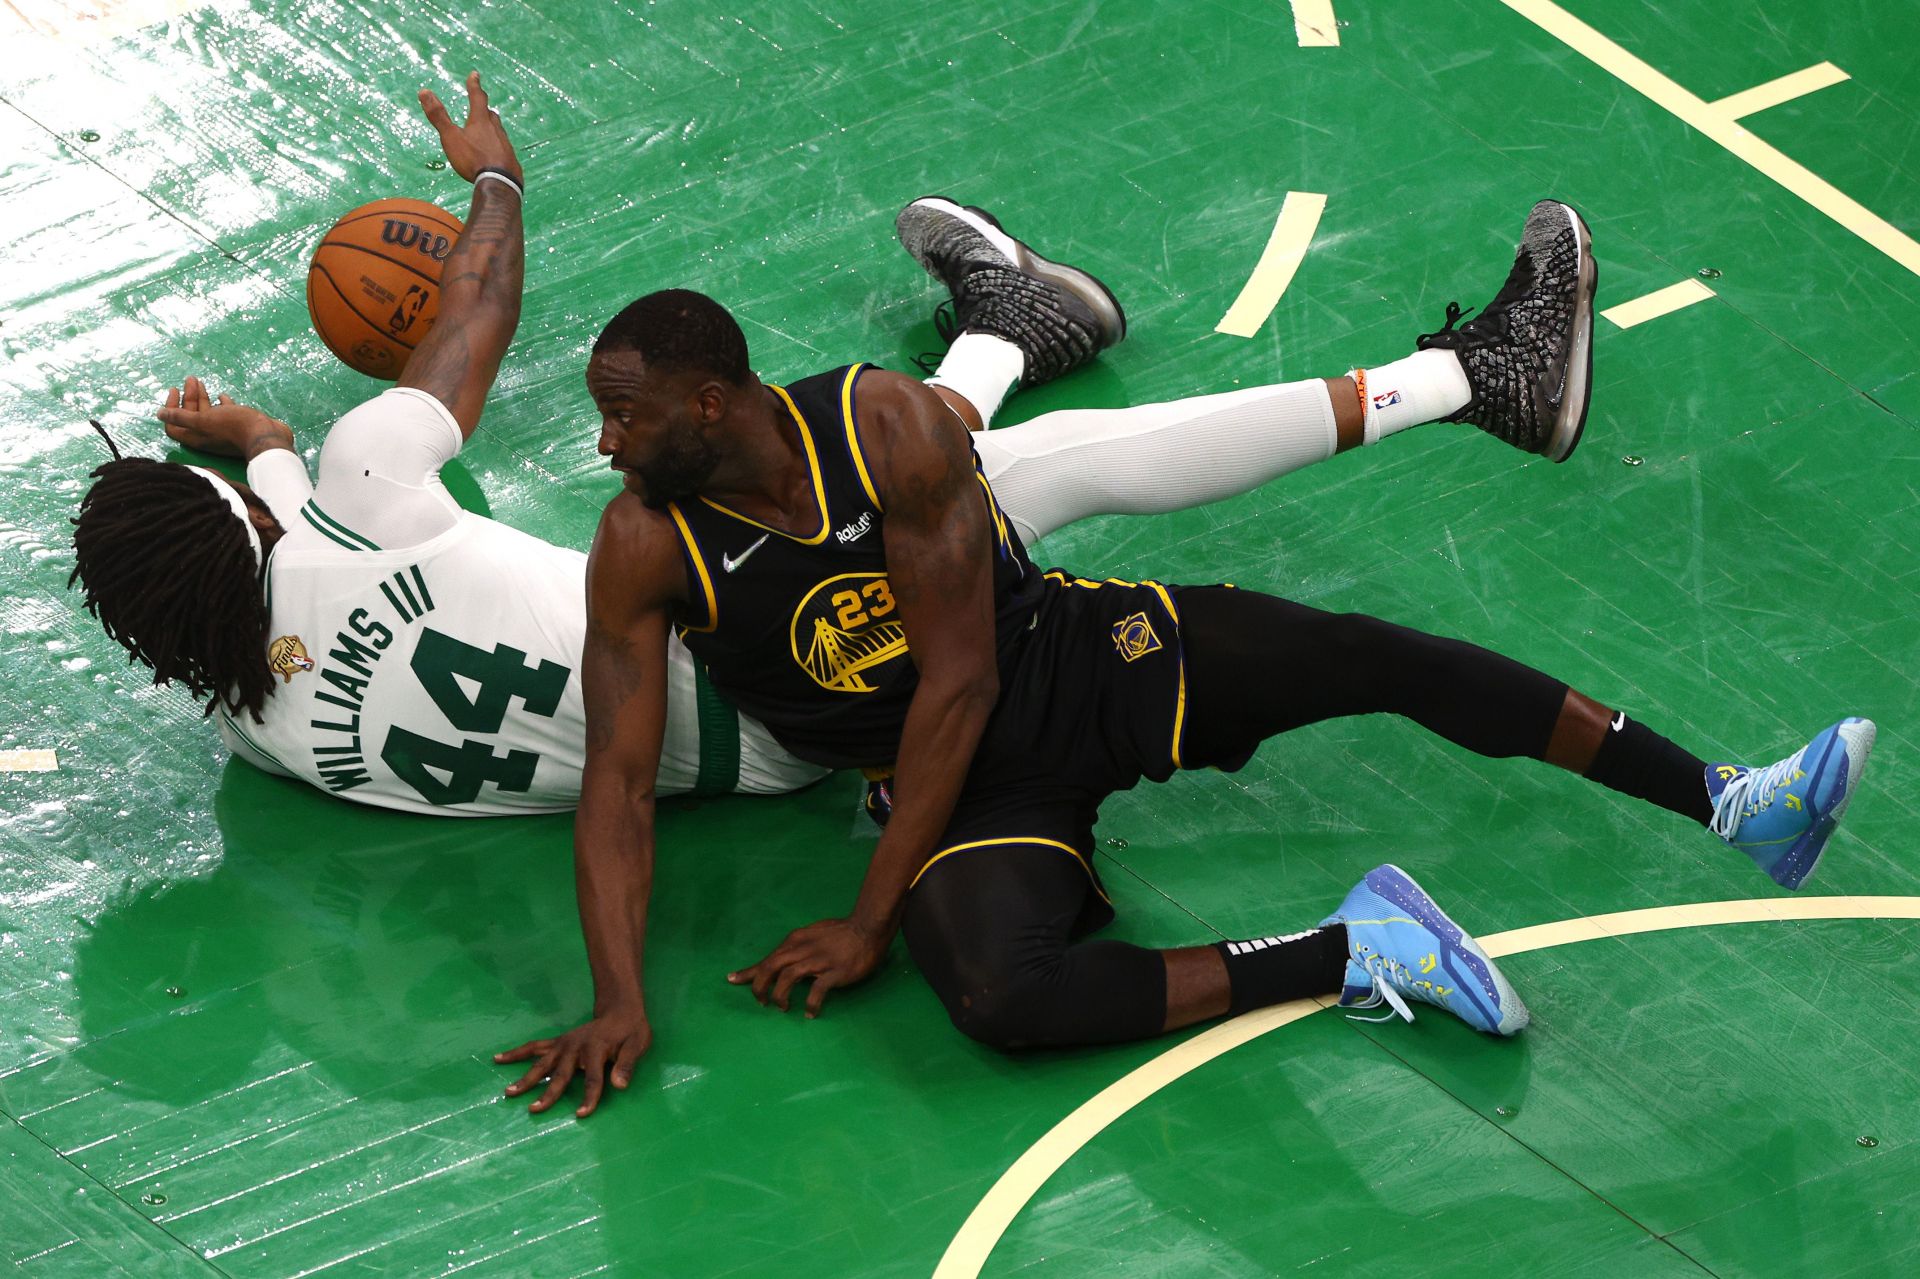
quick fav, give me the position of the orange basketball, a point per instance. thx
(374, 287)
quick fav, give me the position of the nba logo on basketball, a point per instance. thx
(408, 311)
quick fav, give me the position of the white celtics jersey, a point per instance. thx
(444, 677)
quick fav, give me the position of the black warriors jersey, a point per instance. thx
(803, 633)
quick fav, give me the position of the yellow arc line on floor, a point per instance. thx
(1292, 232)
(1018, 1184)
(1656, 304)
(28, 762)
(1313, 24)
(1712, 122)
(1822, 75)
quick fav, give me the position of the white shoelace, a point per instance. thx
(1383, 993)
(1750, 792)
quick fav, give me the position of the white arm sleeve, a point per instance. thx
(380, 469)
(279, 478)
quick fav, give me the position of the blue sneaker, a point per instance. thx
(1781, 815)
(1401, 946)
(879, 800)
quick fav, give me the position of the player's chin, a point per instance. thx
(656, 497)
(633, 484)
(652, 501)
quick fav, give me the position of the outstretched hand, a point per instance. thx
(617, 1039)
(480, 143)
(219, 424)
(833, 952)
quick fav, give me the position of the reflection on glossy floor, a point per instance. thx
(244, 1028)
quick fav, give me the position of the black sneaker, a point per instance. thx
(1059, 316)
(1528, 355)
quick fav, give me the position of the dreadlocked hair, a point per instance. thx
(171, 576)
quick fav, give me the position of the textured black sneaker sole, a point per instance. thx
(1572, 420)
(1083, 285)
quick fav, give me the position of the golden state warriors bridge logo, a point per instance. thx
(845, 630)
(1134, 637)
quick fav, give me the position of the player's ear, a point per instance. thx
(710, 402)
(259, 514)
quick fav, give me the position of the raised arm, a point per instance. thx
(633, 577)
(481, 280)
(940, 569)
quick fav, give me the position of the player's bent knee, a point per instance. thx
(1009, 1015)
(996, 1001)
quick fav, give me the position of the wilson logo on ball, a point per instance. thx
(409, 235)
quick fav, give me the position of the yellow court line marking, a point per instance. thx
(1658, 303)
(1292, 233)
(1313, 24)
(1709, 120)
(1018, 1184)
(1788, 87)
(28, 762)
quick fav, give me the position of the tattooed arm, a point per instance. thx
(634, 578)
(481, 280)
(940, 567)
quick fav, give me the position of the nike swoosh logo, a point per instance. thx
(1619, 721)
(730, 563)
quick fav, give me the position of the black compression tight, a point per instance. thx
(1258, 665)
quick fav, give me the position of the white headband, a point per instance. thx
(231, 497)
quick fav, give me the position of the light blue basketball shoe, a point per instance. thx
(1401, 946)
(1781, 815)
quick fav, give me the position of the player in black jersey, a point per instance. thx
(832, 550)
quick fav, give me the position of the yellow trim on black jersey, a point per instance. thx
(813, 468)
(1064, 580)
(993, 507)
(699, 565)
(1180, 651)
(1033, 840)
(853, 438)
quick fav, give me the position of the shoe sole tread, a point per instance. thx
(1083, 286)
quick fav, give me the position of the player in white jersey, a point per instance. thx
(427, 658)
(397, 651)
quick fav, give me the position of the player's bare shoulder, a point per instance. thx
(907, 431)
(636, 559)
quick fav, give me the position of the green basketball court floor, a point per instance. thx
(245, 1028)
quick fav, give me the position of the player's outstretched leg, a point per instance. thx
(1402, 946)
(1528, 354)
(1781, 814)
(1059, 316)
(1520, 370)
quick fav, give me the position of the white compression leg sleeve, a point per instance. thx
(1153, 458)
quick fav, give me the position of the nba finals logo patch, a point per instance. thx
(845, 630)
(1134, 637)
(287, 657)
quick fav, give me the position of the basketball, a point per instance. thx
(373, 289)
